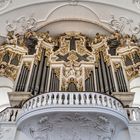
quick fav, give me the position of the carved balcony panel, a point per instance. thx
(51, 112)
(59, 103)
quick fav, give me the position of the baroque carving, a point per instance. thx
(44, 126)
(21, 25)
(4, 4)
(137, 3)
(122, 23)
(72, 126)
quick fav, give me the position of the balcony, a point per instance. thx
(52, 112)
(72, 102)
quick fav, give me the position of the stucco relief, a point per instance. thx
(5, 133)
(4, 4)
(21, 25)
(72, 127)
(137, 3)
(44, 127)
(124, 25)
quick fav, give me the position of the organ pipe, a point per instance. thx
(21, 84)
(39, 73)
(32, 77)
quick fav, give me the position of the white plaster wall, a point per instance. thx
(135, 87)
(6, 86)
(21, 136)
(123, 135)
(134, 130)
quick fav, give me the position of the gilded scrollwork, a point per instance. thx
(116, 65)
(10, 57)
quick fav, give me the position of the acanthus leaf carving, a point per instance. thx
(21, 25)
(124, 25)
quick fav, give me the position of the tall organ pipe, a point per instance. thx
(25, 78)
(39, 73)
(32, 77)
(102, 86)
(44, 70)
(111, 78)
(20, 78)
(46, 78)
(97, 79)
(21, 84)
(124, 86)
(104, 73)
(35, 77)
(120, 80)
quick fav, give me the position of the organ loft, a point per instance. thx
(70, 69)
(71, 62)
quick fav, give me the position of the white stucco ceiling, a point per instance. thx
(59, 16)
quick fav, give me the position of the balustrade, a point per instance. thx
(133, 113)
(73, 99)
(9, 114)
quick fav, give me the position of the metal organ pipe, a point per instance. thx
(89, 83)
(42, 83)
(120, 80)
(23, 78)
(21, 84)
(39, 74)
(51, 86)
(126, 88)
(19, 79)
(32, 77)
(46, 78)
(111, 78)
(104, 74)
(97, 79)
(123, 80)
(101, 77)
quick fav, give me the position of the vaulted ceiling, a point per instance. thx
(58, 16)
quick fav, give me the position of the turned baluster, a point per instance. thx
(54, 99)
(87, 99)
(71, 98)
(108, 102)
(137, 114)
(44, 100)
(82, 99)
(76, 99)
(49, 99)
(60, 99)
(103, 101)
(66, 99)
(93, 99)
(98, 99)
(34, 102)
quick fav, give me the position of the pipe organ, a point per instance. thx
(71, 62)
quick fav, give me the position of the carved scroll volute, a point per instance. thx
(116, 65)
